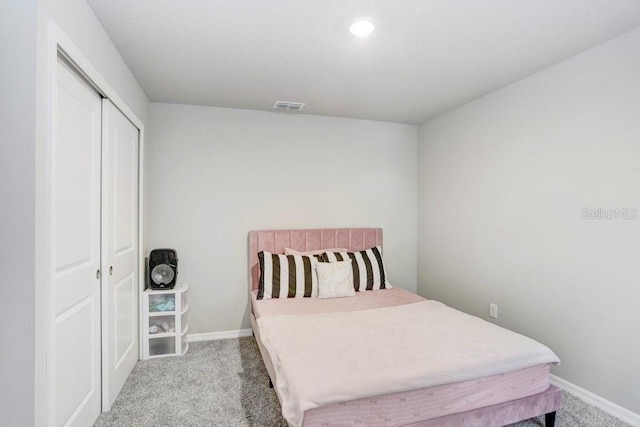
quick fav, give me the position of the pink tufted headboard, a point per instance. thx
(274, 241)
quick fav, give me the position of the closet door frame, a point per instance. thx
(60, 44)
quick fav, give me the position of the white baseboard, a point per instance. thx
(597, 401)
(222, 335)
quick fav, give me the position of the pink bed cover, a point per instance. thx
(391, 409)
(362, 301)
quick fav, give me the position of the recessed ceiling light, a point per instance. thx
(362, 28)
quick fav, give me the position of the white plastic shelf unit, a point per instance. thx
(165, 322)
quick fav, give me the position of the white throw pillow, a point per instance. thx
(335, 279)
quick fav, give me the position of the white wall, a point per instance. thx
(214, 174)
(17, 211)
(502, 184)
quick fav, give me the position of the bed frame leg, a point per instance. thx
(550, 419)
(271, 386)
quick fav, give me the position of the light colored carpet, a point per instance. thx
(224, 383)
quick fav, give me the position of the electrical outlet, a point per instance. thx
(493, 310)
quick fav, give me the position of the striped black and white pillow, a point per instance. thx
(287, 276)
(369, 273)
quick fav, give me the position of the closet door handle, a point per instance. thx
(98, 274)
(111, 271)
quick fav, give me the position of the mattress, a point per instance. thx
(403, 407)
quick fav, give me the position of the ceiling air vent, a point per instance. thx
(288, 105)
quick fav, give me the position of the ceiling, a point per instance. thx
(425, 57)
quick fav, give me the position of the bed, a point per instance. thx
(328, 371)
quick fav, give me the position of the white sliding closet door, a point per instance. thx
(75, 338)
(120, 141)
(94, 332)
